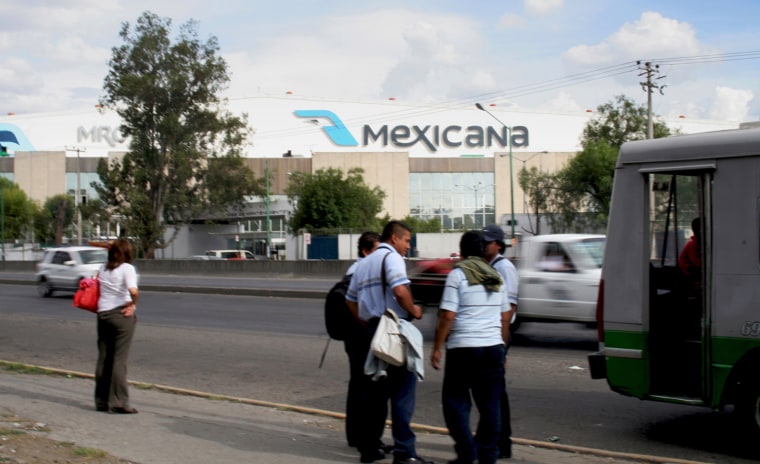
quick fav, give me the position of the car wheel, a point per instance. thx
(43, 289)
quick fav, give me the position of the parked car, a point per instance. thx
(230, 254)
(559, 278)
(63, 268)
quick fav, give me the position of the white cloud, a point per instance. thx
(543, 7)
(654, 36)
(389, 53)
(563, 102)
(651, 36)
(731, 104)
(590, 55)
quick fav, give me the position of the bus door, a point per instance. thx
(679, 285)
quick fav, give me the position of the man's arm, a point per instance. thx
(445, 322)
(506, 320)
(354, 308)
(404, 297)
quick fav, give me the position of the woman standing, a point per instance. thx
(116, 326)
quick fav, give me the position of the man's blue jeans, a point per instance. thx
(474, 374)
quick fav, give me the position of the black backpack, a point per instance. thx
(339, 321)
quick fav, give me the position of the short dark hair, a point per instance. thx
(472, 244)
(367, 242)
(394, 227)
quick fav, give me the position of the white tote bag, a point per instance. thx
(388, 344)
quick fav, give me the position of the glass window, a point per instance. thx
(85, 179)
(458, 200)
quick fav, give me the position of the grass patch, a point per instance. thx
(23, 368)
(89, 452)
(12, 432)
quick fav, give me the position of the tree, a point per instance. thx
(184, 150)
(18, 210)
(583, 189)
(621, 121)
(537, 187)
(55, 216)
(328, 200)
(422, 225)
(584, 185)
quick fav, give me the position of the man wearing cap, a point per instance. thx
(495, 246)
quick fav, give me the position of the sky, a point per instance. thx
(531, 55)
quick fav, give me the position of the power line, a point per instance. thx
(543, 86)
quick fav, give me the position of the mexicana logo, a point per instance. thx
(337, 131)
(12, 135)
(431, 137)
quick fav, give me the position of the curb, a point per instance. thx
(336, 415)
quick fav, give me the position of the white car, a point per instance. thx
(230, 254)
(63, 268)
(559, 277)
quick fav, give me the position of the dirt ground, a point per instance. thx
(23, 441)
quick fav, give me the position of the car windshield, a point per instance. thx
(590, 250)
(93, 256)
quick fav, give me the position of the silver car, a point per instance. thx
(63, 268)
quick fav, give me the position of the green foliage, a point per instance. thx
(585, 185)
(18, 210)
(422, 225)
(621, 121)
(328, 200)
(580, 200)
(538, 187)
(184, 151)
(55, 216)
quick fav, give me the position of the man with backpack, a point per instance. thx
(380, 283)
(356, 395)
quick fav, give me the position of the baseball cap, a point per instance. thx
(493, 233)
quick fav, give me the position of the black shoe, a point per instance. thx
(127, 410)
(417, 460)
(505, 454)
(372, 456)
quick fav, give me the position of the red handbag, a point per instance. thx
(87, 296)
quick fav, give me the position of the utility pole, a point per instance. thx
(78, 194)
(650, 71)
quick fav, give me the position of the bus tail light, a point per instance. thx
(600, 312)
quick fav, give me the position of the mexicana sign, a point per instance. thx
(430, 136)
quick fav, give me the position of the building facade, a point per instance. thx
(457, 164)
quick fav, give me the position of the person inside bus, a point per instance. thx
(690, 259)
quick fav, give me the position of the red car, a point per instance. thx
(428, 277)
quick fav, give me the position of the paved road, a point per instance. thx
(707, 435)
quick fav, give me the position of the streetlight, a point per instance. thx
(477, 188)
(523, 168)
(77, 196)
(511, 177)
(269, 225)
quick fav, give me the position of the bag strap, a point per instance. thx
(392, 314)
(383, 279)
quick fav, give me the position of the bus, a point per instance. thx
(678, 311)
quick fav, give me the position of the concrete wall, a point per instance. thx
(334, 268)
